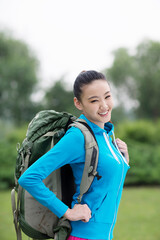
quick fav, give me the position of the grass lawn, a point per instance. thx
(138, 216)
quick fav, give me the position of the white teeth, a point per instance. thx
(103, 113)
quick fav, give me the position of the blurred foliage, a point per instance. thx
(134, 78)
(137, 76)
(148, 79)
(18, 79)
(8, 153)
(144, 131)
(142, 137)
(60, 99)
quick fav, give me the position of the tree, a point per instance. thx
(18, 78)
(148, 79)
(137, 76)
(60, 99)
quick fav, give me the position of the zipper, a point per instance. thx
(116, 204)
(110, 148)
(123, 160)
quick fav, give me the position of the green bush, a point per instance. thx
(140, 131)
(142, 138)
(145, 164)
(8, 154)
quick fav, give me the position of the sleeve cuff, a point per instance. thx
(59, 208)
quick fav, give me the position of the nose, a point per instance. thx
(103, 105)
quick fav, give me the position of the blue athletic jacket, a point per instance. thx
(104, 195)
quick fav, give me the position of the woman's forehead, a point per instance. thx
(97, 87)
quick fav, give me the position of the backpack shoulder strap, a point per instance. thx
(91, 157)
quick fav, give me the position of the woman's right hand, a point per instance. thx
(78, 212)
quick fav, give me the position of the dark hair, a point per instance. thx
(84, 78)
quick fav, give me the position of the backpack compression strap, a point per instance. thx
(91, 157)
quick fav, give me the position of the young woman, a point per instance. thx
(95, 217)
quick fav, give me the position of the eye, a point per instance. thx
(108, 96)
(93, 101)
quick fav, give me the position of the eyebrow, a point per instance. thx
(97, 96)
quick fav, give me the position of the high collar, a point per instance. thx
(108, 127)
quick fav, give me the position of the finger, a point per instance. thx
(122, 145)
(85, 219)
(118, 141)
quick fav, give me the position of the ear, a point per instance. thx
(77, 104)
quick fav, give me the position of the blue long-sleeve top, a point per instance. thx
(104, 195)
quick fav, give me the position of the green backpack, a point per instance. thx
(44, 131)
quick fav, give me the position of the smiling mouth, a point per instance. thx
(104, 114)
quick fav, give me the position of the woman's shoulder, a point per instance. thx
(75, 132)
(73, 141)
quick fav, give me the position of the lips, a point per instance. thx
(103, 114)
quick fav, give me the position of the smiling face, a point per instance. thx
(96, 102)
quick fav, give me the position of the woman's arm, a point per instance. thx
(70, 149)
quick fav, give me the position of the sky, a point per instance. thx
(68, 36)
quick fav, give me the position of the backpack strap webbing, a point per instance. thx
(15, 216)
(91, 157)
(16, 207)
